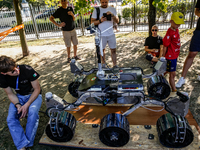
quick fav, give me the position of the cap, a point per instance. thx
(178, 18)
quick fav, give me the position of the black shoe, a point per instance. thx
(68, 60)
(77, 58)
(115, 67)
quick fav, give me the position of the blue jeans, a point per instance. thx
(24, 139)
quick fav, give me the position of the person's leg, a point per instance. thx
(155, 59)
(172, 80)
(104, 42)
(33, 120)
(67, 40)
(103, 59)
(112, 46)
(188, 63)
(75, 50)
(114, 56)
(68, 52)
(74, 40)
(17, 132)
(171, 68)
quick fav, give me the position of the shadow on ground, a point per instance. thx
(56, 76)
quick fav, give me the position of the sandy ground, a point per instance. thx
(50, 61)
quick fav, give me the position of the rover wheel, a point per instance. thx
(167, 128)
(73, 88)
(158, 87)
(61, 129)
(114, 130)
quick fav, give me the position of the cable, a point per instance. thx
(153, 110)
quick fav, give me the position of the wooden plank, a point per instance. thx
(87, 137)
(141, 116)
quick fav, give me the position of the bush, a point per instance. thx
(126, 13)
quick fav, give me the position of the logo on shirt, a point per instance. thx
(158, 41)
(93, 79)
(168, 37)
(174, 36)
(35, 75)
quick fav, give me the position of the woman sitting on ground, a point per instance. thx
(154, 45)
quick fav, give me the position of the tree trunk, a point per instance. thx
(24, 46)
(151, 15)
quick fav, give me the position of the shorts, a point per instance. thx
(171, 65)
(70, 36)
(195, 43)
(111, 40)
(150, 56)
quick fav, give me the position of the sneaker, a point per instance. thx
(198, 77)
(68, 60)
(115, 67)
(180, 82)
(77, 58)
(104, 66)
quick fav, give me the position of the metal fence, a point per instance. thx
(37, 25)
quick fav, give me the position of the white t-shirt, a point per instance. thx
(106, 24)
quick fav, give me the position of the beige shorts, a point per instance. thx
(70, 36)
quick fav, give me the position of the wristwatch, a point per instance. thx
(99, 20)
(17, 104)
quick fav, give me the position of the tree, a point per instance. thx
(6, 4)
(24, 46)
(82, 7)
(151, 15)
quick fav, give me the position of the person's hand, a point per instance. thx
(108, 13)
(24, 110)
(70, 13)
(18, 107)
(62, 24)
(103, 19)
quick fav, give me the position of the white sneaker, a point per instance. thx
(180, 82)
(198, 77)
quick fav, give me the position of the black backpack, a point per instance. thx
(98, 13)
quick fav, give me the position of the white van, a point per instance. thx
(9, 18)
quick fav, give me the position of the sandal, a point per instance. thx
(77, 58)
(68, 60)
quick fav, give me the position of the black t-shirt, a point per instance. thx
(26, 76)
(62, 14)
(198, 22)
(153, 42)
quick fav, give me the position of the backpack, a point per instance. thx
(98, 13)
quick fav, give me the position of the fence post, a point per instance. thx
(134, 18)
(82, 24)
(34, 22)
(192, 16)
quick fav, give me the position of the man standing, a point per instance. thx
(24, 80)
(66, 16)
(107, 16)
(193, 49)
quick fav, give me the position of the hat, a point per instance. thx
(178, 18)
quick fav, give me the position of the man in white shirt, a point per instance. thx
(105, 23)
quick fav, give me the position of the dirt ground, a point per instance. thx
(50, 61)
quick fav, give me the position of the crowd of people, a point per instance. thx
(27, 99)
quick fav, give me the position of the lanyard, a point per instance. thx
(17, 82)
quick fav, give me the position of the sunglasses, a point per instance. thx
(154, 30)
(63, 0)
